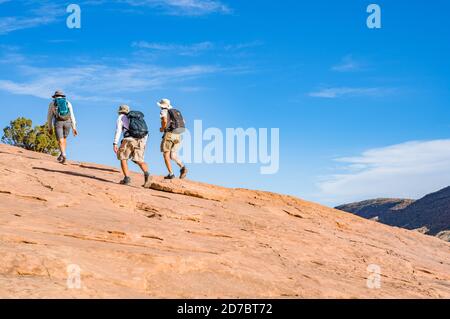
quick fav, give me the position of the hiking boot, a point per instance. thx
(63, 159)
(183, 173)
(125, 181)
(170, 176)
(59, 159)
(148, 180)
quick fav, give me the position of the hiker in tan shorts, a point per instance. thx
(172, 125)
(135, 132)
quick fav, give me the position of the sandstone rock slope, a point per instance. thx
(184, 239)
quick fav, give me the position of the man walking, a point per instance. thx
(172, 125)
(135, 135)
(61, 117)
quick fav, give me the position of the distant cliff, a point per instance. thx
(376, 208)
(430, 215)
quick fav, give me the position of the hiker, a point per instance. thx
(61, 117)
(135, 135)
(172, 125)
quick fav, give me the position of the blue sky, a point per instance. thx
(362, 113)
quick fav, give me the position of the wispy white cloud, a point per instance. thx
(10, 55)
(10, 24)
(178, 49)
(40, 15)
(192, 89)
(338, 92)
(184, 7)
(407, 170)
(195, 49)
(243, 45)
(348, 64)
(174, 7)
(92, 81)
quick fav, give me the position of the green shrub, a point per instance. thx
(21, 133)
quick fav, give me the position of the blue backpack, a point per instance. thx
(62, 109)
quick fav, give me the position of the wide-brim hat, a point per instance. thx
(59, 94)
(164, 103)
(124, 109)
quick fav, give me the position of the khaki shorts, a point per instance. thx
(171, 143)
(133, 149)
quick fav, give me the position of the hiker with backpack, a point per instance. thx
(61, 117)
(135, 134)
(172, 125)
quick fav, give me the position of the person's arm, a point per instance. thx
(72, 118)
(163, 124)
(50, 115)
(118, 134)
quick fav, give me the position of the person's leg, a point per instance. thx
(63, 131)
(168, 163)
(183, 168)
(166, 148)
(66, 127)
(125, 170)
(138, 156)
(123, 155)
(174, 157)
(143, 166)
(62, 146)
(126, 180)
(59, 132)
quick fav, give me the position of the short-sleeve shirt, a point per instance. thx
(165, 112)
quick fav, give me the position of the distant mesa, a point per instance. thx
(429, 215)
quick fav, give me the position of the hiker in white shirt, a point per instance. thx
(131, 147)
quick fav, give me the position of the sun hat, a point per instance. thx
(164, 103)
(58, 93)
(124, 109)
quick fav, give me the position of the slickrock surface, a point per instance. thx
(190, 240)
